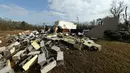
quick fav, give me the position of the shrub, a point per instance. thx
(125, 35)
(112, 35)
(116, 36)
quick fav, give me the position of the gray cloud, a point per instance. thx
(86, 10)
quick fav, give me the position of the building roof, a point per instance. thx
(65, 24)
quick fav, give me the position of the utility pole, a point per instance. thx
(78, 20)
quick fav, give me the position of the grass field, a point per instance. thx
(113, 58)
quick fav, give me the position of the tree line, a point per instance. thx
(7, 24)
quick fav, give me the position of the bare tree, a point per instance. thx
(125, 17)
(117, 8)
(99, 21)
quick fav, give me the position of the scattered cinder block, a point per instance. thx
(17, 56)
(60, 56)
(7, 68)
(55, 48)
(35, 32)
(36, 36)
(1, 56)
(12, 50)
(26, 40)
(49, 42)
(40, 51)
(51, 63)
(7, 53)
(2, 49)
(28, 64)
(31, 35)
(16, 43)
(3, 63)
(35, 45)
(25, 60)
(42, 31)
(13, 44)
(41, 58)
(44, 50)
(30, 48)
(42, 44)
(34, 53)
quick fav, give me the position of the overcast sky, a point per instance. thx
(38, 11)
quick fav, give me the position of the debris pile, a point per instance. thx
(28, 50)
(39, 51)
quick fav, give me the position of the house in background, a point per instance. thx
(110, 23)
(64, 26)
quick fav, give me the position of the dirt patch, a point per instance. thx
(4, 34)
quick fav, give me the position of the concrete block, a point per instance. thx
(7, 53)
(47, 43)
(49, 66)
(35, 45)
(42, 44)
(13, 44)
(11, 71)
(55, 48)
(2, 49)
(16, 43)
(2, 63)
(7, 68)
(34, 53)
(30, 47)
(26, 40)
(35, 32)
(60, 55)
(23, 62)
(44, 50)
(17, 57)
(42, 31)
(36, 36)
(29, 63)
(12, 50)
(31, 35)
(1, 56)
(41, 58)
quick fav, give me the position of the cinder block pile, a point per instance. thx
(27, 50)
